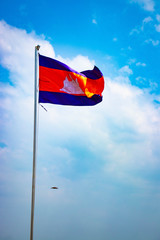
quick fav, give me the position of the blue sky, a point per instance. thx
(105, 159)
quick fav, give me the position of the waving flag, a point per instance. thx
(59, 84)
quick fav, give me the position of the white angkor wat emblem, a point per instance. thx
(71, 86)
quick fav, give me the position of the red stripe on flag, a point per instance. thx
(52, 80)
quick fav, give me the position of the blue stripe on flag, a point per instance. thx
(68, 99)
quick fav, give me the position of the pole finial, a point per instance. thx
(37, 47)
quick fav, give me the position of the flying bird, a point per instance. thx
(54, 187)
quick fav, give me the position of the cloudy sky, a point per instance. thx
(104, 159)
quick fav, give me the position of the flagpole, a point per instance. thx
(36, 94)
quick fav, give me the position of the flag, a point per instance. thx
(59, 84)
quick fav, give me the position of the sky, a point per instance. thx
(104, 159)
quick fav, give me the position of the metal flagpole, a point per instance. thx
(36, 94)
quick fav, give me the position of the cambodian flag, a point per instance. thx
(59, 84)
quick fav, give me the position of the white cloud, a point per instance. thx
(94, 21)
(130, 108)
(78, 63)
(141, 64)
(125, 108)
(140, 79)
(154, 42)
(141, 28)
(123, 75)
(158, 17)
(80, 148)
(126, 70)
(135, 30)
(147, 5)
(131, 61)
(115, 39)
(147, 20)
(14, 45)
(157, 27)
